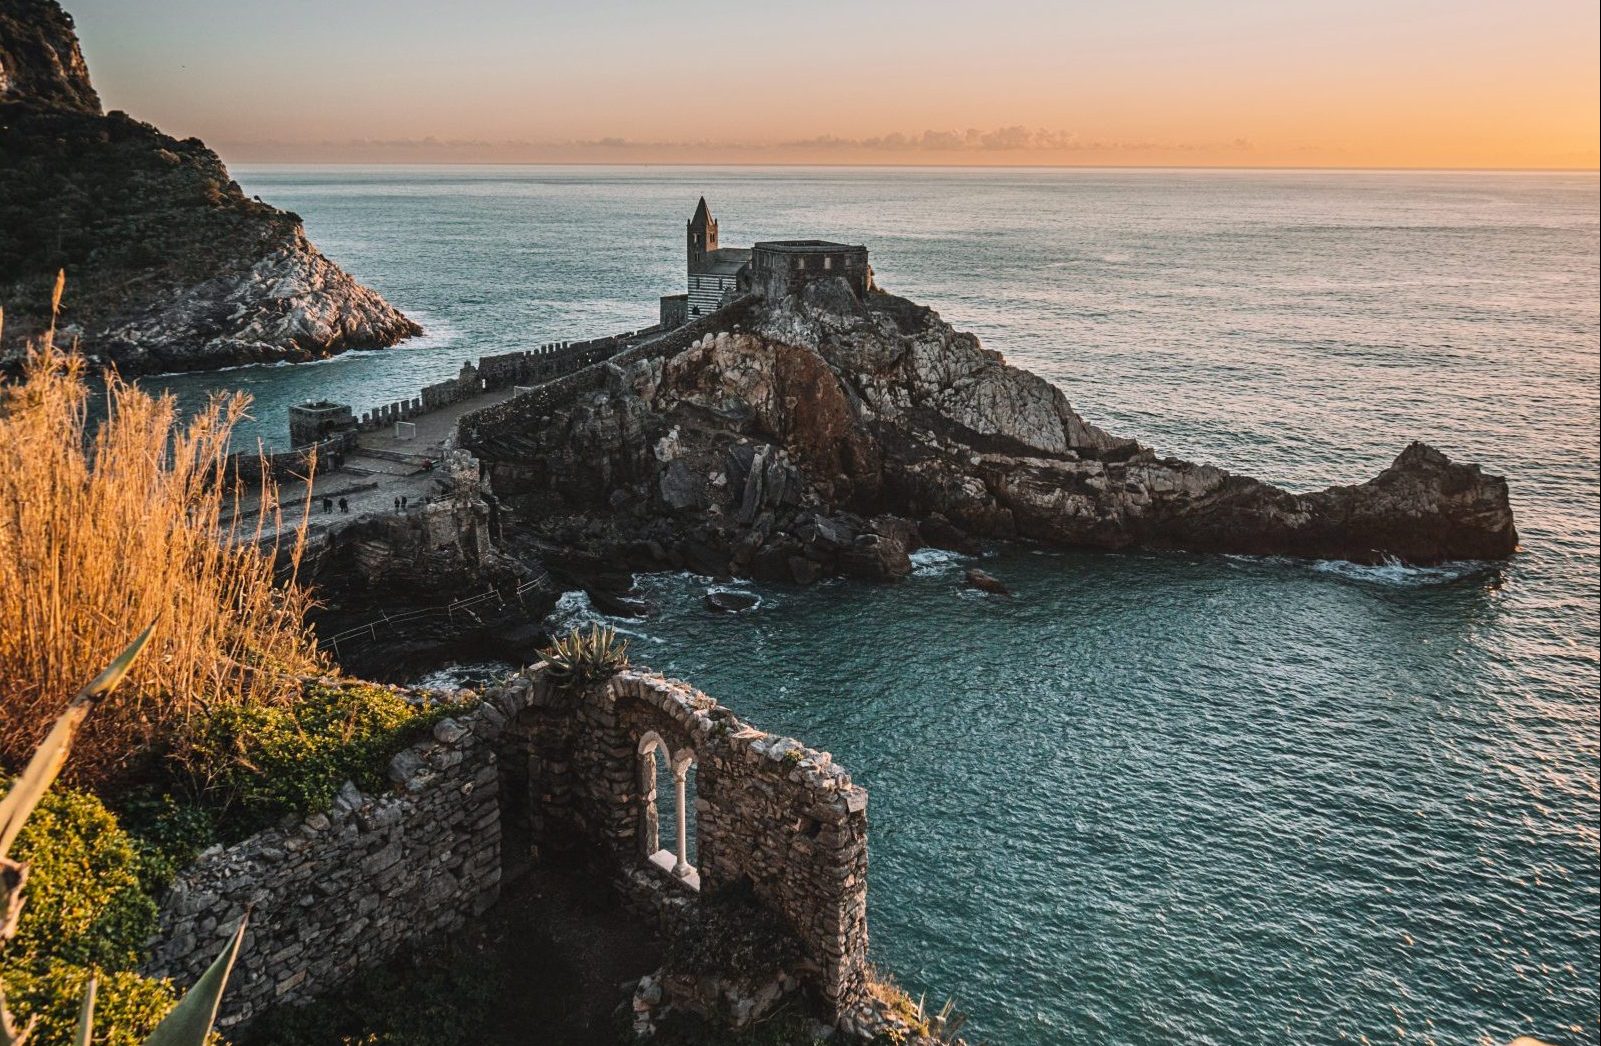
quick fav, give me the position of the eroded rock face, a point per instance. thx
(40, 59)
(821, 435)
(398, 572)
(169, 265)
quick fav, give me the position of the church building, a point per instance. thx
(713, 270)
(772, 268)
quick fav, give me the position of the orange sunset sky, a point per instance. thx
(1408, 83)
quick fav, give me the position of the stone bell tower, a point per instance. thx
(702, 235)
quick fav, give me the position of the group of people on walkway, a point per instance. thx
(402, 502)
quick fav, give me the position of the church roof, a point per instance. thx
(725, 261)
(703, 213)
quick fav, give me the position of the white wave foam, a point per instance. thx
(738, 586)
(1394, 573)
(437, 332)
(475, 675)
(933, 562)
(574, 610)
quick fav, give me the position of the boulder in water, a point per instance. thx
(726, 602)
(986, 582)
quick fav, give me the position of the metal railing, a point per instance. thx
(461, 606)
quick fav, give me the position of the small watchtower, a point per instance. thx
(316, 420)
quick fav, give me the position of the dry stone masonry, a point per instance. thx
(772, 817)
(347, 887)
(529, 772)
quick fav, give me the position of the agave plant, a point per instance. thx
(580, 658)
(190, 1022)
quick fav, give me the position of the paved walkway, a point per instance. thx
(382, 467)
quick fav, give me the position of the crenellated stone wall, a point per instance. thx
(493, 433)
(248, 466)
(532, 770)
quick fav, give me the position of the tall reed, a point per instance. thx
(103, 532)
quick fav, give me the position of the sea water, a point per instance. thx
(1153, 798)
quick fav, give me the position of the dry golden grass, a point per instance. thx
(103, 532)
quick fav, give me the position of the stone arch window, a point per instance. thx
(675, 861)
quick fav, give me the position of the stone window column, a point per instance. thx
(681, 867)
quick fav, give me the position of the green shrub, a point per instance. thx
(127, 1006)
(259, 762)
(87, 906)
(86, 899)
(169, 833)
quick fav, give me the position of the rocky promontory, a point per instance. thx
(827, 434)
(170, 266)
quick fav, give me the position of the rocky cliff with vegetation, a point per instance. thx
(170, 266)
(822, 434)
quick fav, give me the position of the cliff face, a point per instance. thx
(169, 265)
(402, 569)
(823, 435)
(40, 59)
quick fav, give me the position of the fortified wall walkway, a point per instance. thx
(377, 468)
(389, 453)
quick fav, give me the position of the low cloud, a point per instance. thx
(1015, 138)
(1011, 144)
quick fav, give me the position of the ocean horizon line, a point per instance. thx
(1311, 168)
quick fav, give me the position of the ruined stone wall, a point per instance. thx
(529, 771)
(345, 888)
(772, 816)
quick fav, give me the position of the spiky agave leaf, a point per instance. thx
(190, 1022)
(47, 759)
(580, 657)
(84, 1032)
(43, 766)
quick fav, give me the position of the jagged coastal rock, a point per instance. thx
(169, 265)
(827, 432)
(405, 569)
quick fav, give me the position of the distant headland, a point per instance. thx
(170, 266)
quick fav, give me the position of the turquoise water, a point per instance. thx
(1154, 798)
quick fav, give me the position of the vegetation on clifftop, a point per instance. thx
(88, 909)
(132, 213)
(258, 762)
(108, 529)
(228, 721)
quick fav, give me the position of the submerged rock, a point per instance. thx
(986, 582)
(727, 602)
(826, 435)
(169, 265)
